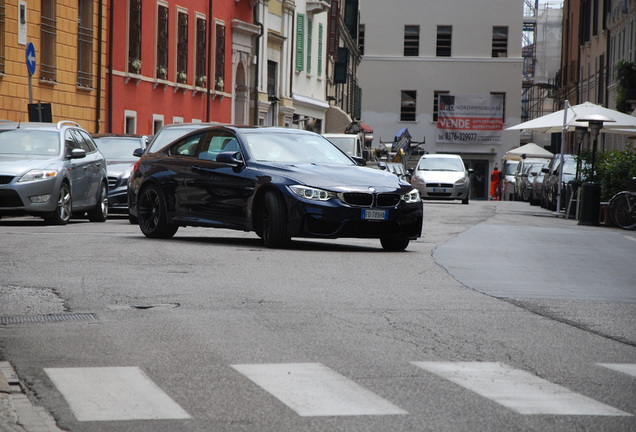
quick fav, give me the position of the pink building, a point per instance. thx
(172, 61)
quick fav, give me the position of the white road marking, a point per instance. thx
(626, 368)
(518, 390)
(312, 389)
(113, 393)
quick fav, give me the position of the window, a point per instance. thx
(408, 105)
(2, 38)
(436, 102)
(320, 35)
(201, 54)
(300, 42)
(444, 40)
(48, 37)
(500, 41)
(162, 42)
(361, 39)
(503, 104)
(271, 79)
(85, 43)
(182, 47)
(130, 122)
(219, 61)
(411, 40)
(310, 30)
(157, 123)
(134, 37)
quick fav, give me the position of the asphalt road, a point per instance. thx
(501, 317)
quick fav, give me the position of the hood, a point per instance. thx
(440, 176)
(116, 168)
(20, 164)
(338, 178)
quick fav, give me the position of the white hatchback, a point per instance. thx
(442, 176)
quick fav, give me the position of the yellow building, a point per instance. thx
(70, 51)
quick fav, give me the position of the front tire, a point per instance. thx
(100, 212)
(153, 220)
(62, 213)
(273, 222)
(394, 244)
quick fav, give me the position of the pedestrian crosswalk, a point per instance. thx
(313, 390)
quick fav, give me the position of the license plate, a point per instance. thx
(375, 214)
(443, 190)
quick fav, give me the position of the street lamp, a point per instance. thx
(591, 191)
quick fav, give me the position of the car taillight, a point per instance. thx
(135, 166)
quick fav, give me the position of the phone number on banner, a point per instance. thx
(457, 136)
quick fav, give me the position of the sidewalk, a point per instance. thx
(17, 413)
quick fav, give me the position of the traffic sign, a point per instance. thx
(30, 58)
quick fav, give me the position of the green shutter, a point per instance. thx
(310, 31)
(300, 41)
(319, 49)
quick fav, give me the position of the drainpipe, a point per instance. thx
(258, 61)
(208, 66)
(109, 96)
(99, 68)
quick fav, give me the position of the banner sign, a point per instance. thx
(470, 118)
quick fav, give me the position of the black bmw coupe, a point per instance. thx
(280, 183)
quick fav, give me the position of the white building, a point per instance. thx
(415, 51)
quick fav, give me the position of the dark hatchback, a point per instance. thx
(280, 183)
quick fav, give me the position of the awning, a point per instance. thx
(336, 120)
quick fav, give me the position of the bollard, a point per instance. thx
(590, 204)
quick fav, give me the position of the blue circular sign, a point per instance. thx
(30, 58)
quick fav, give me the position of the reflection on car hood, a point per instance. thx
(337, 177)
(440, 176)
(19, 164)
(116, 167)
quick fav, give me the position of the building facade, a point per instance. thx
(413, 55)
(69, 40)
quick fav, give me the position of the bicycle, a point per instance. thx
(622, 210)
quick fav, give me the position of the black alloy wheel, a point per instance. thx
(273, 222)
(394, 244)
(152, 214)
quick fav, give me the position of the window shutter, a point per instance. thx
(334, 16)
(320, 34)
(300, 42)
(310, 30)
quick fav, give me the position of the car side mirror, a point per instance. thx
(229, 157)
(470, 171)
(359, 161)
(77, 154)
(138, 152)
(545, 170)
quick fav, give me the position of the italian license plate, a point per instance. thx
(375, 214)
(443, 190)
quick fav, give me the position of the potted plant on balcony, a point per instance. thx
(182, 77)
(135, 66)
(162, 72)
(219, 83)
(201, 80)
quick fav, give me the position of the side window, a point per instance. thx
(80, 140)
(216, 143)
(187, 146)
(88, 141)
(69, 141)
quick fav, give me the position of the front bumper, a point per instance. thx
(28, 198)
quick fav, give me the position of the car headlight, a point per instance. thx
(412, 197)
(35, 175)
(311, 193)
(461, 181)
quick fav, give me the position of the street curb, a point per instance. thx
(17, 413)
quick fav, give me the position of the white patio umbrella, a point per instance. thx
(556, 121)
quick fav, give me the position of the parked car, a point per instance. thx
(351, 144)
(171, 132)
(280, 183)
(551, 180)
(520, 170)
(526, 180)
(536, 187)
(52, 171)
(442, 176)
(508, 169)
(118, 149)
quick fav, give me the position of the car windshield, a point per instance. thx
(294, 148)
(117, 148)
(440, 164)
(166, 136)
(511, 168)
(346, 144)
(569, 167)
(29, 142)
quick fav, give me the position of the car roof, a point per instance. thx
(441, 155)
(114, 135)
(40, 125)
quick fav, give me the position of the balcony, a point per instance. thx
(317, 6)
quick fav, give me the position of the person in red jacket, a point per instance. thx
(495, 180)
